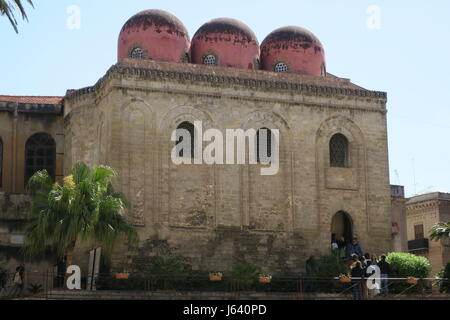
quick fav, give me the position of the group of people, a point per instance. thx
(360, 264)
(360, 274)
(18, 283)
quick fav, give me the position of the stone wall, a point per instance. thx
(214, 216)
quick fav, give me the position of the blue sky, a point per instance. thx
(408, 57)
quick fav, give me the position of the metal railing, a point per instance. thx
(50, 285)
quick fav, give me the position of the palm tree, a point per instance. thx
(84, 208)
(440, 231)
(7, 8)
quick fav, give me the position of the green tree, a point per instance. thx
(440, 231)
(7, 8)
(84, 208)
(246, 273)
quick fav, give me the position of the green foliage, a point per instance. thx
(85, 208)
(3, 274)
(246, 274)
(331, 266)
(7, 8)
(440, 231)
(445, 274)
(35, 288)
(328, 267)
(405, 265)
(166, 267)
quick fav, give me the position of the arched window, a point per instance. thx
(1, 162)
(40, 154)
(281, 67)
(339, 151)
(210, 60)
(189, 127)
(264, 143)
(138, 53)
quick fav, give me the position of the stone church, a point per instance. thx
(333, 153)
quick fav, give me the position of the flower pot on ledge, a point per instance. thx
(122, 276)
(345, 279)
(215, 278)
(412, 281)
(265, 280)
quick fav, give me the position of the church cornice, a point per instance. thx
(228, 77)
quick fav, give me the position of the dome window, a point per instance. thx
(210, 60)
(138, 53)
(281, 67)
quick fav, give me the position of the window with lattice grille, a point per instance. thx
(339, 151)
(210, 60)
(281, 67)
(40, 154)
(138, 53)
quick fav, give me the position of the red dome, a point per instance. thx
(156, 35)
(295, 50)
(227, 43)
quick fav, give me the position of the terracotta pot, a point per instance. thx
(122, 276)
(345, 279)
(265, 280)
(412, 281)
(215, 278)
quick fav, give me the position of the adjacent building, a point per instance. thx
(422, 213)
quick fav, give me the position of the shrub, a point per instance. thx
(166, 272)
(3, 275)
(35, 288)
(166, 267)
(445, 284)
(405, 265)
(329, 267)
(247, 274)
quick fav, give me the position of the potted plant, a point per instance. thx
(265, 278)
(215, 276)
(123, 275)
(345, 278)
(412, 280)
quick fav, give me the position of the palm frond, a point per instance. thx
(7, 8)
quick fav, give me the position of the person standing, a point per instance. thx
(357, 276)
(311, 272)
(354, 248)
(18, 282)
(385, 269)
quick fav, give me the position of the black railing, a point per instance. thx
(418, 244)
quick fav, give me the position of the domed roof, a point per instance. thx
(226, 42)
(292, 33)
(293, 49)
(156, 35)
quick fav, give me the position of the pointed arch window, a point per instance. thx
(264, 145)
(183, 127)
(339, 151)
(40, 154)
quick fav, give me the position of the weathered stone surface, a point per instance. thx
(215, 216)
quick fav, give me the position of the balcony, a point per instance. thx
(418, 245)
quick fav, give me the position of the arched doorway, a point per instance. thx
(342, 226)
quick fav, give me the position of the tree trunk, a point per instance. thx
(69, 259)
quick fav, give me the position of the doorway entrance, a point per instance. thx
(342, 226)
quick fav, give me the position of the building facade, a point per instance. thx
(424, 212)
(399, 225)
(333, 162)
